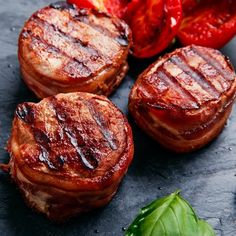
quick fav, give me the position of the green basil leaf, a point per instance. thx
(205, 229)
(169, 216)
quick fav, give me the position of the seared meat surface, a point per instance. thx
(184, 99)
(69, 153)
(66, 49)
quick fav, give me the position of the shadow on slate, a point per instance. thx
(206, 177)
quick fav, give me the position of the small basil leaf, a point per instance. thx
(205, 229)
(169, 216)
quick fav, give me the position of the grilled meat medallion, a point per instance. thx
(64, 49)
(69, 153)
(184, 99)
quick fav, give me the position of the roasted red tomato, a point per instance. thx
(154, 24)
(96, 4)
(189, 5)
(114, 7)
(211, 23)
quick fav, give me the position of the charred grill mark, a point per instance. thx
(44, 157)
(61, 117)
(89, 161)
(98, 118)
(87, 158)
(195, 74)
(173, 82)
(215, 64)
(25, 33)
(122, 39)
(25, 113)
(77, 69)
(41, 137)
(102, 30)
(61, 160)
(93, 53)
(82, 12)
(44, 142)
(60, 114)
(84, 45)
(61, 5)
(83, 68)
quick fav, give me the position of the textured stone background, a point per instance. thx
(207, 177)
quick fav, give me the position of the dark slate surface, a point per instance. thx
(207, 177)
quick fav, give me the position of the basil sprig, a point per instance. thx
(169, 216)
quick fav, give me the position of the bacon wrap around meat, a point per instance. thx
(64, 49)
(184, 99)
(69, 153)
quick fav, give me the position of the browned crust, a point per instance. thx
(104, 85)
(189, 140)
(25, 131)
(184, 99)
(62, 205)
(93, 140)
(66, 49)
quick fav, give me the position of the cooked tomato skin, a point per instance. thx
(85, 4)
(189, 5)
(154, 25)
(116, 7)
(210, 24)
(113, 7)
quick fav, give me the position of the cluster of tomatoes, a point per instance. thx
(155, 23)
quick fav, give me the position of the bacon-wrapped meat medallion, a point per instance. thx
(69, 153)
(65, 49)
(184, 99)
